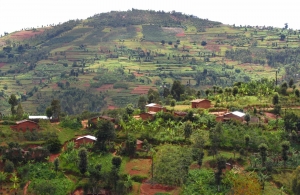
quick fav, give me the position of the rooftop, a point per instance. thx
(237, 113)
(39, 117)
(199, 100)
(23, 121)
(88, 137)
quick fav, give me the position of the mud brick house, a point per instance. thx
(153, 107)
(201, 103)
(139, 144)
(236, 115)
(25, 125)
(180, 114)
(84, 140)
(147, 115)
(95, 119)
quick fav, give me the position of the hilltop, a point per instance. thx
(108, 60)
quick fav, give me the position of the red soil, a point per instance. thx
(52, 157)
(140, 89)
(2, 64)
(180, 35)
(270, 115)
(86, 84)
(105, 87)
(138, 166)
(138, 74)
(25, 34)
(148, 189)
(111, 107)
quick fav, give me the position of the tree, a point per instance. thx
(215, 138)
(188, 129)
(247, 118)
(49, 112)
(15, 180)
(163, 42)
(297, 93)
(263, 153)
(129, 109)
(177, 89)
(53, 144)
(173, 103)
(55, 107)
(290, 120)
(142, 103)
(105, 133)
(130, 145)
(9, 166)
(56, 164)
(83, 161)
(285, 146)
(203, 43)
(235, 91)
(291, 83)
(247, 141)
(221, 164)
(275, 99)
(116, 161)
(13, 102)
(20, 111)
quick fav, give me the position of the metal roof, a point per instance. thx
(88, 137)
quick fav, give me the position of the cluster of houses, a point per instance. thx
(153, 108)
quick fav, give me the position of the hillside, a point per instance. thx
(110, 59)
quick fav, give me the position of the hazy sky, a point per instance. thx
(18, 14)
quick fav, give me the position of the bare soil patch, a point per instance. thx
(25, 34)
(105, 87)
(141, 89)
(180, 35)
(138, 166)
(52, 157)
(138, 74)
(2, 64)
(270, 115)
(148, 189)
(111, 107)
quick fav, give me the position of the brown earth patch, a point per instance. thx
(2, 64)
(84, 123)
(270, 115)
(105, 87)
(25, 34)
(141, 89)
(52, 157)
(180, 35)
(212, 47)
(138, 166)
(111, 107)
(86, 85)
(148, 189)
(138, 74)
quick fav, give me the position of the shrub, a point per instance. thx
(139, 178)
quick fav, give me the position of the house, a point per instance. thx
(180, 113)
(153, 107)
(139, 144)
(147, 115)
(38, 118)
(201, 103)
(25, 125)
(236, 115)
(95, 119)
(84, 140)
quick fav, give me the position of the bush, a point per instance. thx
(139, 178)
(9, 167)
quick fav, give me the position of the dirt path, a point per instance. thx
(84, 124)
(25, 188)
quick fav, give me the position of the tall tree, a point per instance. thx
(247, 118)
(55, 107)
(188, 128)
(105, 133)
(142, 103)
(13, 102)
(285, 146)
(221, 164)
(83, 161)
(177, 89)
(263, 153)
(20, 111)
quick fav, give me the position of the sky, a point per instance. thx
(18, 14)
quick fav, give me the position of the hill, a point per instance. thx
(110, 59)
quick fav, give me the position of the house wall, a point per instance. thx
(146, 116)
(202, 104)
(156, 109)
(234, 117)
(83, 141)
(25, 125)
(139, 146)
